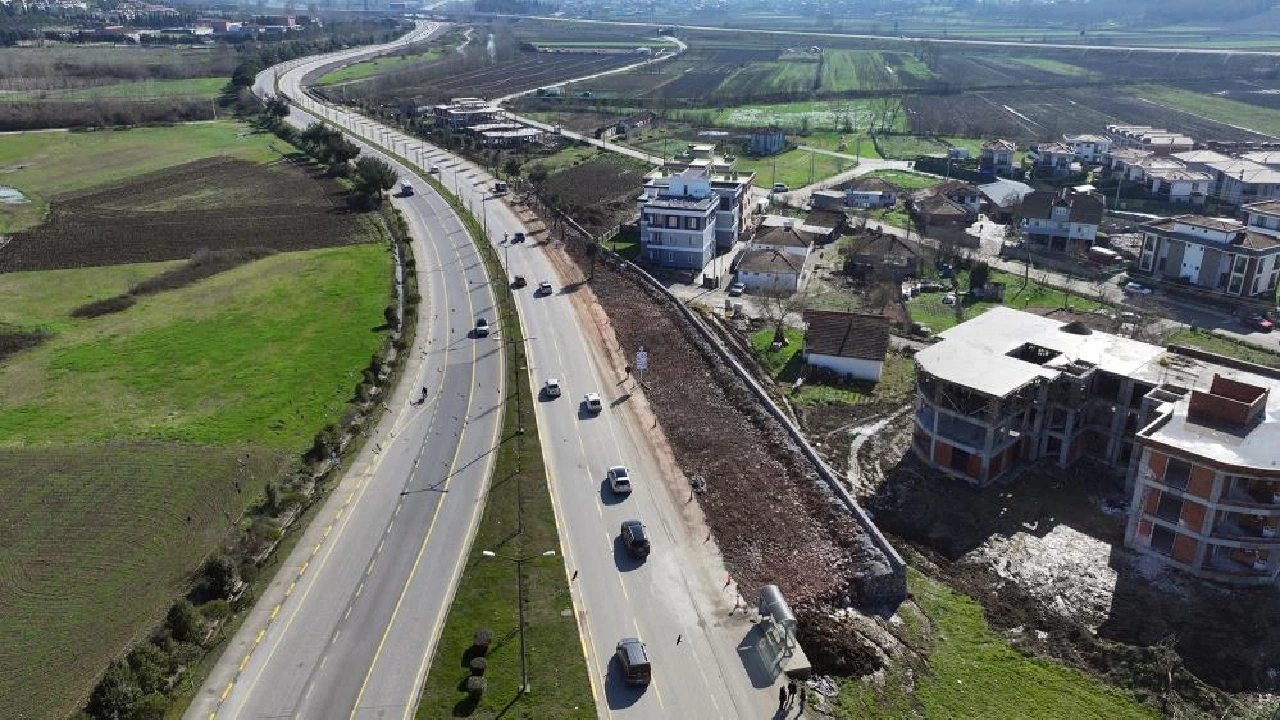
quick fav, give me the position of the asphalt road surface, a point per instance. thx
(680, 600)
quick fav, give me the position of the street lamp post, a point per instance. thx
(520, 561)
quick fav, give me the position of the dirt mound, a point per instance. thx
(835, 646)
(216, 204)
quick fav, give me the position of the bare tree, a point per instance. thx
(775, 306)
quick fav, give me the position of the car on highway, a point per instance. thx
(406, 190)
(1257, 322)
(518, 237)
(544, 288)
(482, 327)
(736, 289)
(619, 479)
(551, 388)
(591, 401)
(633, 661)
(635, 538)
(435, 170)
(519, 282)
(499, 188)
(1134, 288)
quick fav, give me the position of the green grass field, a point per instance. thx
(1233, 112)
(369, 68)
(208, 364)
(827, 140)
(141, 90)
(1053, 66)
(818, 114)
(897, 379)
(1223, 346)
(909, 147)
(929, 309)
(908, 181)
(97, 544)
(795, 168)
(44, 165)
(974, 673)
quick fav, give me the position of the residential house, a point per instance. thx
(1186, 429)
(827, 199)
(731, 186)
(825, 225)
(787, 238)
(939, 217)
(1003, 197)
(1241, 182)
(870, 191)
(1269, 158)
(1144, 137)
(768, 271)
(631, 125)
(1088, 148)
(852, 345)
(996, 158)
(1221, 255)
(766, 141)
(1124, 162)
(678, 224)
(1062, 220)
(505, 134)
(816, 234)
(873, 254)
(1198, 160)
(966, 195)
(1052, 160)
(1179, 185)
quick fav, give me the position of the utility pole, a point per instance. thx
(520, 561)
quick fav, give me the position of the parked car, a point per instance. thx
(949, 299)
(635, 538)
(592, 403)
(519, 282)
(633, 661)
(736, 289)
(551, 388)
(781, 188)
(1258, 322)
(619, 479)
(1134, 288)
(482, 327)
(544, 287)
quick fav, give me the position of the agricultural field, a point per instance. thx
(846, 70)
(811, 115)
(909, 147)
(795, 168)
(1031, 115)
(135, 441)
(206, 88)
(369, 68)
(1225, 110)
(599, 192)
(48, 166)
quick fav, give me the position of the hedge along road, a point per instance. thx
(680, 601)
(368, 585)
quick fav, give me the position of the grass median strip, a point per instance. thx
(518, 523)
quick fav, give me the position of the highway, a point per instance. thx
(346, 627)
(680, 601)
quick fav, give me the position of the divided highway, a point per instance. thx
(363, 599)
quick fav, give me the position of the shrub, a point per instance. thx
(475, 687)
(184, 622)
(220, 577)
(216, 609)
(478, 665)
(482, 638)
(152, 707)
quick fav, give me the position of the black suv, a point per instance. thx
(635, 538)
(633, 659)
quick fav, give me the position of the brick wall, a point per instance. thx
(1158, 462)
(1193, 516)
(1151, 500)
(1184, 549)
(1201, 482)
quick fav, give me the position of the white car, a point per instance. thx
(1134, 288)
(736, 289)
(435, 170)
(592, 403)
(482, 327)
(544, 288)
(551, 388)
(620, 479)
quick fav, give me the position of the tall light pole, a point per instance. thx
(520, 561)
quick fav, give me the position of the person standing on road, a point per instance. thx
(782, 697)
(791, 692)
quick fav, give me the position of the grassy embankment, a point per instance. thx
(130, 444)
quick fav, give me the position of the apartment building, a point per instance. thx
(1145, 137)
(731, 187)
(678, 224)
(1195, 436)
(1223, 255)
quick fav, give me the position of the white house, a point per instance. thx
(767, 271)
(789, 238)
(1179, 185)
(849, 344)
(1062, 221)
(871, 192)
(1088, 148)
(678, 225)
(1221, 255)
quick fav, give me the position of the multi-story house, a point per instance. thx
(1222, 255)
(996, 158)
(1051, 160)
(1062, 220)
(731, 186)
(1240, 181)
(1145, 137)
(678, 224)
(1088, 148)
(1125, 162)
(1179, 185)
(1188, 431)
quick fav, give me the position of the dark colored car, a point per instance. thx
(518, 237)
(633, 660)
(635, 538)
(519, 282)
(1257, 322)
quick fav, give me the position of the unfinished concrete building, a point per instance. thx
(1010, 387)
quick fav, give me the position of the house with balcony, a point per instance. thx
(1125, 163)
(732, 187)
(1240, 182)
(996, 158)
(1088, 148)
(1063, 220)
(678, 223)
(1222, 255)
(1179, 186)
(1052, 160)
(1144, 137)
(1193, 435)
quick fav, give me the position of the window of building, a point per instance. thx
(1271, 283)
(1160, 265)
(1170, 508)
(692, 223)
(1177, 473)
(1240, 264)
(673, 221)
(1146, 261)
(1236, 283)
(1162, 540)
